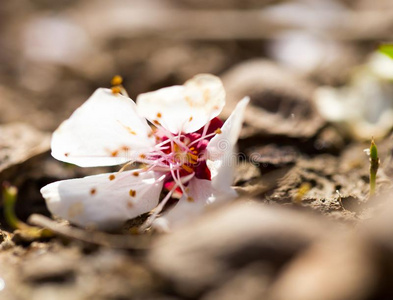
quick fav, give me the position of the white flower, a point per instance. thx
(187, 153)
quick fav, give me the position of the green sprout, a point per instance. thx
(10, 195)
(386, 49)
(374, 165)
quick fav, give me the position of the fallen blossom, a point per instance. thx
(186, 155)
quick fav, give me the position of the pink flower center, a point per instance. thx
(182, 156)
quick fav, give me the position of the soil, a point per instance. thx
(304, 225)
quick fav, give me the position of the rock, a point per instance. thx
(338, 268)
(379, 227)
(211, 251)
(250, 282)
(281, 102)
(19, 142)
(50, 267)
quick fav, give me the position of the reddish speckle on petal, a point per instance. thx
(136, 174)
(114, 153)
(132, 193)
(190, 199)
(112, 177)
(159, 115)
(66, 154)
(93, 191)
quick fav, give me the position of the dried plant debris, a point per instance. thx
(272, 154)
(281, 103)
(19, 142)
(331, 185)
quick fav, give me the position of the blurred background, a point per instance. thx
(54, 54)
(319, 92)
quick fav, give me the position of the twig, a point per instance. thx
(92, 237)
(374, 165)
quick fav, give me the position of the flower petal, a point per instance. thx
(221, 158)
(106, 130)
(104, 201)
(184, 108)
(201, 193)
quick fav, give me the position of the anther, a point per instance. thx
(187, 168)
(116, 90)
(116, 80)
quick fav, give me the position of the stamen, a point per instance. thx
(187, 168)
(205, 128)
(116, 90)
(116, 80)
(157, 210)
(124, 167)
(204, 137)
(117, 87)
(193, 156)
